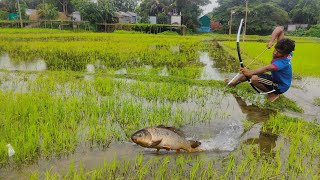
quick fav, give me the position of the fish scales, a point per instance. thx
(162, 137)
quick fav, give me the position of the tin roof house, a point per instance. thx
(204, 24)
(133, 17)
(126, 17)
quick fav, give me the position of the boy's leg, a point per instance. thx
(272, 97)
(264, 82)
(235, 82)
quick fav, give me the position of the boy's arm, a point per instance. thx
(262, 70)
(278, 33)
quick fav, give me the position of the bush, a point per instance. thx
(299, 32)
(3, 15)
(47, 11)
(314, 31)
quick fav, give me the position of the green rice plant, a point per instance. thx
(68, 51)
(104, 86)
(316, 101)
(303, 63)
(247, 125)
(61, 110)
(246, 92)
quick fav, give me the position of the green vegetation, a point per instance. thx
(247, 124)
(304, 63)
(295, 156)
(265, 15)
(314, 31)
(55, 112)
(61, 110)
(74, 51)
(317, 101)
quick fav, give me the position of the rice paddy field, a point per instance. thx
(69, 103)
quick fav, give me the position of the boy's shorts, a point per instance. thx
(266, 80)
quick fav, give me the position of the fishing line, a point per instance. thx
(236, 76)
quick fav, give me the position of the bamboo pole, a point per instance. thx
(21, 24)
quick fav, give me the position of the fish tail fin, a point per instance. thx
(194, 144)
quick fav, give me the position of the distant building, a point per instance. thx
(294, 27)
(34, 15)
(126, 17)
(204, 22)
(29, 12)
(123, 17)
(176, 19)
(133, 17)
(152, 19)
(76, 16)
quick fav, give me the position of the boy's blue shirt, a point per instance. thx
(283, 75)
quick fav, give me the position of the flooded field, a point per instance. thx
(77, 124)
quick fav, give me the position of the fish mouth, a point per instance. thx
(134, 139)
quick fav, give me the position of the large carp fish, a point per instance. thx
(162, 137)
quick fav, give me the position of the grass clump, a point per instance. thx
(316, 101)
(245, 91)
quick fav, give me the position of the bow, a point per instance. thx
(239, 55)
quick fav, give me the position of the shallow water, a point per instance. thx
(221, 134)
(304, 92)
(208, 72)
(7, 64)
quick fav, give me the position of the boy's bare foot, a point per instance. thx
(272, 97)
(233, 84)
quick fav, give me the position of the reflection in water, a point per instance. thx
(90, 68)
(164, 72)
(121, 71)
(208, 72)
(254, 113)
(7, 64)
(90, 71)
(266, 141)
(15, 81)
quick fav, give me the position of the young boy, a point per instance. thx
(281, 71)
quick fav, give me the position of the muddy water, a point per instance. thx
(219, 136)
(304, 92)
(209, 72)
(7, 64)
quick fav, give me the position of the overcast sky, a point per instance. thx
(209, 7)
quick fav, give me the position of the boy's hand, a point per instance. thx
(246, 72)
(269, 45)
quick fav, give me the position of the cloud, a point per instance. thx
(209, 7)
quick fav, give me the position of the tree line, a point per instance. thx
(263, 15)
(103, 11)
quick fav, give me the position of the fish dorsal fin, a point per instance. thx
(173, 129)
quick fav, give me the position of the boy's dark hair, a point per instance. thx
(285, 45)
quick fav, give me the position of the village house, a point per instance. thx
(204, 22)
(126, 17)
